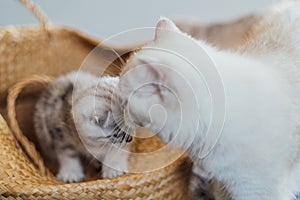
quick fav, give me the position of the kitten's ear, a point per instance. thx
(163, 26)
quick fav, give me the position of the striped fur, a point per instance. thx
(68, 124)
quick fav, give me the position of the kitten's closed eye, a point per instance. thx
(105, 120)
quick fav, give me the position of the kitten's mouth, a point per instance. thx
(121, 137)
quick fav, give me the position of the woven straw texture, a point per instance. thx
(49, 50)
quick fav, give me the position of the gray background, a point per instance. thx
(104, 18)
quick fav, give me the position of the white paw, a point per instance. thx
(108, 172)
(70, 175)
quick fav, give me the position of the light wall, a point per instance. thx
(104, 18)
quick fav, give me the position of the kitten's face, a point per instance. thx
(94, 118)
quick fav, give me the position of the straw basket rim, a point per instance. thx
(44, 79)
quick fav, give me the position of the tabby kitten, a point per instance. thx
(258, 154)
(73, 118)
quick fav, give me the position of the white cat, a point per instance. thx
(257, 155)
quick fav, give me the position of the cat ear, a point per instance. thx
(163, 26)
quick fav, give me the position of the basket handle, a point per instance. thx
(27, 145)
(35, 9)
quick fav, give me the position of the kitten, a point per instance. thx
(257, 155)
(73, 118)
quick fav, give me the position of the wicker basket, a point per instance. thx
(50, 50)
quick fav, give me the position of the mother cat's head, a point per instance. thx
(157, 88)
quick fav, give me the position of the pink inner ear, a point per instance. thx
(159, 28)
(162, 25)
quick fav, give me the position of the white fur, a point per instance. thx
(257, 155)
(70, 169)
